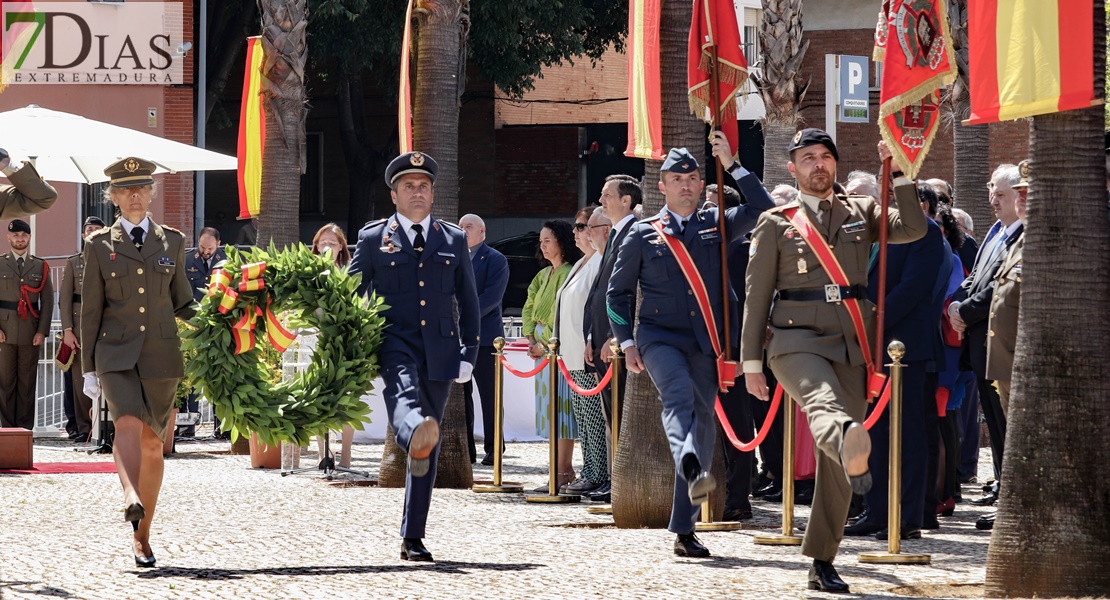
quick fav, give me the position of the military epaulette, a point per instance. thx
(779, 209)
(649, 219)
(172, 229)
(74, 255)
(373, 223)
(449, 224)
(100, 231)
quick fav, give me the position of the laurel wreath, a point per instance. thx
(245, 386)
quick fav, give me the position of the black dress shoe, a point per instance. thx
(864, 528)
(487, 460)
(863, 516)
(908, 533)
(804, 497)
(601, 494)
(823, 577)
(737, 514)
(413, 549)
(985, 522)
(145, 561)
(700, 487)
(775, 497)
(689, 545)
(930, 523)
(987, 499)
(770, 488)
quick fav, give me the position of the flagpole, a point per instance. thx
(715, 103)
(884, 225)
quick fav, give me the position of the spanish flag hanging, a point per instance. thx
(1029, 57)
(913, 42)
(645, 113)
(252, 133)
(404, 91)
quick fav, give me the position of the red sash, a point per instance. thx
(876, 379)
(26, 307)
(726, 369)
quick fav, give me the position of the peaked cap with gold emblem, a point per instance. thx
(1023, 169)
(411, 162)
(131, 172)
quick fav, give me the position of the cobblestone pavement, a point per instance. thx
(224, 530)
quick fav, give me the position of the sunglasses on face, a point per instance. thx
(580, 226)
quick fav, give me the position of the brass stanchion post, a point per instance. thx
(498, 433)
(615, 397)
(893, 555)
(553, 495)
(787, 537)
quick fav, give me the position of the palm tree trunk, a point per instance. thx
(643, 469)
(972, 142)
(780, 84)
(1052, 535)
(441, 61)
(442, 27)
(453, 469)
(283, 41)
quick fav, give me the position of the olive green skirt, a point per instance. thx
(151, 400)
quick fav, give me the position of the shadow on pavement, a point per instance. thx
(447, 567)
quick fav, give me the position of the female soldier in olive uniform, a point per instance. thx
(133, 289)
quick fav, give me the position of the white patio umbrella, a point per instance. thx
(68, 147)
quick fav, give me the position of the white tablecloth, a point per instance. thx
(520, 405)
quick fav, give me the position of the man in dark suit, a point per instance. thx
(672, 340)
(491, 277)
(420, 267)
(911, 317)
(199, 263)
(198, 268)
(28, 193)
(969, 311)
(620, 195)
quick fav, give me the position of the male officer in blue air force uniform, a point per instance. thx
(672, 341)
(418, 265)
(814, 350)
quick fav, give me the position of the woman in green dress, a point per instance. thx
(559, 252)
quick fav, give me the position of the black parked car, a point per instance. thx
(520, 251)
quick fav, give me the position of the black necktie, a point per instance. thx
(19, 264)
(418, 241)
(137, 236)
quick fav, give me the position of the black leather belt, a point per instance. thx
(77, 298)
(829, 293)
(6, 304)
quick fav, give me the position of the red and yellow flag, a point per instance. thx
(1029, 57)
(714, 26)
(645, 114)
(252, 133)
(912, 40)
(404, 91)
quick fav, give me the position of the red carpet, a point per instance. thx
(65, 467)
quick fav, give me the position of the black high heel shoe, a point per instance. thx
(134, 513)
(145, 561)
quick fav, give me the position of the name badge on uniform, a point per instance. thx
(709, 234)
(802, 266)
(446, 254)
(166, 262)
(854, 227)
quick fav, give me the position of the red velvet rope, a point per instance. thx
(879, 408)
(525, 374)
(731, 435)
(590, 392)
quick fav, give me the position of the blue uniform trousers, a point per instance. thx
(687, 384)
(410, 397)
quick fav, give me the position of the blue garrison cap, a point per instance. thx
(411, 162)
(679, 160)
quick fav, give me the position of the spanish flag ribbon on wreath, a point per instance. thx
(913, 42)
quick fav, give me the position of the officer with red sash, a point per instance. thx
(814, 251)
(677, 341)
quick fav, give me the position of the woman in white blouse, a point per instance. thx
(570, 303)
